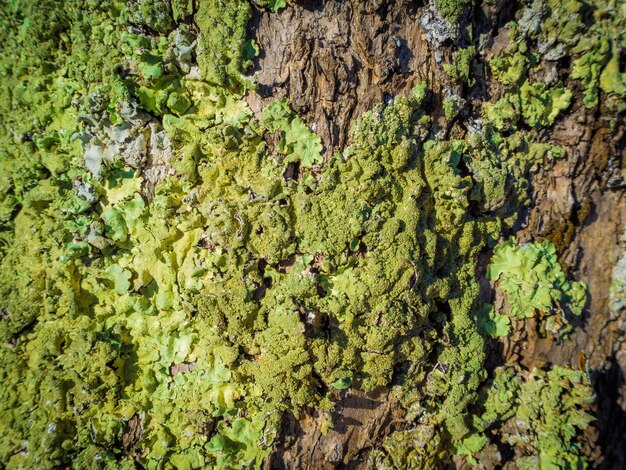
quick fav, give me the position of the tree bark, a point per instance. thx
(336, 59)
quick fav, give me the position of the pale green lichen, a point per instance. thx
(540, 415)
(554, 408)
(452, 107)
(223, 22)
(296, 142)
(451, 10)
(491, 323)
(273, 5)
(590, 32)
(534, 283)
(536, 103)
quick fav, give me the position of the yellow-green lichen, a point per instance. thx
(213, 267)
(451, 10)
(462, 66)
(533, 281)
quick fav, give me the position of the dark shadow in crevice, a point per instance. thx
(611, 417)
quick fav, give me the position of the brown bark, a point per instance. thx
(336, 59)
(359, 422)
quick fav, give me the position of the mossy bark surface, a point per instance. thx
(335, 60)
(301, 234)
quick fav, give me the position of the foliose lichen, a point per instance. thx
(217, 271)
(534, 283)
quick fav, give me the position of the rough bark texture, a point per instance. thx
(359, 421)
(576, 206)
(337, 59)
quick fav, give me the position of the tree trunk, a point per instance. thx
(334, 60)
(313, 234)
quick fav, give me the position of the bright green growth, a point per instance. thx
(462, 67)
(534, 283)
(491, 323)
(536, 103)
(540, 104)
(598, 68)
(273, 5)
(421, 447)
(452, 107)
(471, 445)
(155, 14)
(597, 46)
(451, 9)
(554, 408)
(499, 398)
(149, 223)
(591, 32)
(237, 445)
(509, 67)
(222, 49)
(500, 167)
(539, 415)
(227, 293)
(342, 384)
(296, 141)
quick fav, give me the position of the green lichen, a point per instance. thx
(218, 270)
(590, 32)
(451, 107)
(417, 448)
(511, 66)
(221, 23)
(296, 142)
(463, 65)
(273, 5)
(536, 103)
(554, 408)
(534, 283)
(541, 105)
(540, 416)
(491, 323)
(451, 10)
(154, 14)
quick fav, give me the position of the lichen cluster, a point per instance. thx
(542, 414)
(535, 284)
(176, 272)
